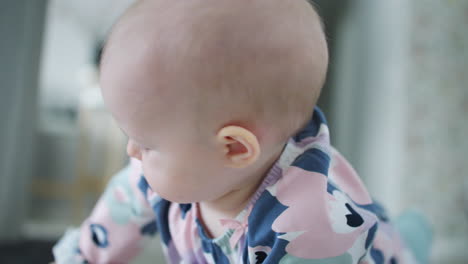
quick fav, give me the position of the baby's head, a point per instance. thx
(209, 91)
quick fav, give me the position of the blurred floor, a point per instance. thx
(27, 252)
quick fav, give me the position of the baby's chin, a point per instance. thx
(177, 198)
(179, 195)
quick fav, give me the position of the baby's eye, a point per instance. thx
(143, 147)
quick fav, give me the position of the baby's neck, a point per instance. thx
(225, 207)
(232, 203)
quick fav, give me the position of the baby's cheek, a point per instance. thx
(161, 175)
(152, 170)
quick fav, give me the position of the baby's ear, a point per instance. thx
(240, 147)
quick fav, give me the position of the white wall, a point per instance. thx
(368, 99)
(436, 143)
(21, 26)
(399, 110)
(68, 48)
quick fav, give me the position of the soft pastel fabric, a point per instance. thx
(311, 208)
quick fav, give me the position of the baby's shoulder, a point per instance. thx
(306, 212)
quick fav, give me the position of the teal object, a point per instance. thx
(417, 234)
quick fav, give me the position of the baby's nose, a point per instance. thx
(133, 150)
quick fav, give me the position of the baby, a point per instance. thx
(231, 161)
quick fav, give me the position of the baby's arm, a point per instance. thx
(116, 230)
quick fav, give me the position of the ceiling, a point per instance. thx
(96, 15)
(99, 15)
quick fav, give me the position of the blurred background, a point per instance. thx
(396, 99)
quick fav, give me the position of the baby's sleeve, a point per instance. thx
(120, 224)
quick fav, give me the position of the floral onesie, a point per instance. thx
(310, 208)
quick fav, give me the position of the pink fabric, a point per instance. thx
(315, 222)
(121, 251)
(239, 227)
(183, 230)
(349, 181)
